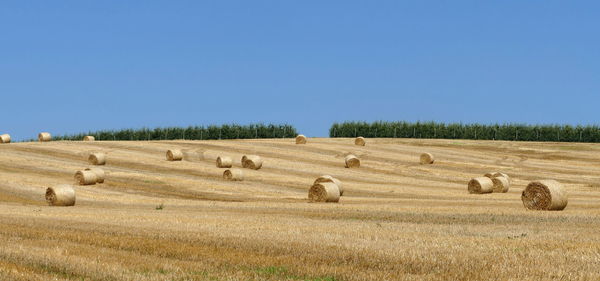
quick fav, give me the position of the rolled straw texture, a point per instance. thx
(100, 175)
(44, 136)
(501, 184)
(426, 158)
(85, 177)
(360, 141)
(89, 138)
(300, 139)
(547, 195)
(97, 158)
(233, 175)
(5, 138)
(352, 161)
(174, 155)
(481, 185)
(252, 162)
(328, 178)
(60, 195)
(224, 162)
(324, 192)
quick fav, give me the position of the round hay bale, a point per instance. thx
(60, 195)
(253, 162)
(328, 178)
(300, 139)
(492, 175)
(547, 195)
(352, 161)
(233, 175)
(86, 177)
(224, 162)
(481, 185)
(5, 138)
(44, 136)
(97, 158)
(324, 192)
(501, 184)
(89, 138)
(426, 158)
(100, 175)
(360, 141)
(174, 155)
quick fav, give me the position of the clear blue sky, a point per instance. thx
(71, 66)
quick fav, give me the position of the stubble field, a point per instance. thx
(158, 220)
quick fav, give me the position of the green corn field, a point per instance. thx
(213, 132)
(433, 130)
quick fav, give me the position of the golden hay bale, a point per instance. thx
(547, 195)
(174, 155)
(224, 162)
(501, 184)
(300, 139)
(324, 192)
(328, 178)
(352, 161)
(233, 175)
(100, 175)
(360, 141)
(43, 137)
(60, 195)
(492, 175)
(252, 162)
(481, 185)
(427, 158)
(89, 138)
(5, 138)
(86, 177)
(97, 158)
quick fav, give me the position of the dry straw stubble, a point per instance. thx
(301, 139)
(224, 162)
(97, 158)
(352, 161)
(328, 178)
(5, 138)
(233, 175)
(481, 185)
(60, 195)
(44, 137)
(360, 141)
(174, 155)
(324, 192)
(547, 195)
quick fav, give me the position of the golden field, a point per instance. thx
(158, 220)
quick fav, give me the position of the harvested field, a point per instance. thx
(398, 220)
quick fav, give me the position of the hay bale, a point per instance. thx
(89, 138)
(492, 175)
(233, 175)
(60, 195)
(324, 192)
(360, 141)
(300, 139)
(85, 177)
(252, 162)
(224, 162)
(97, 158)
(100, 175)
(481, 185)
(5, 138)
(352, 161)
(328, 178)
(426, 158)
(44, 136)
(174, 155)
(547, 195)
(501, 184)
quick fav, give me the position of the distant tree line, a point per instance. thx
(232, 131)
(434, 130)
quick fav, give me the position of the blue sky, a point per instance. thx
(71, 66)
